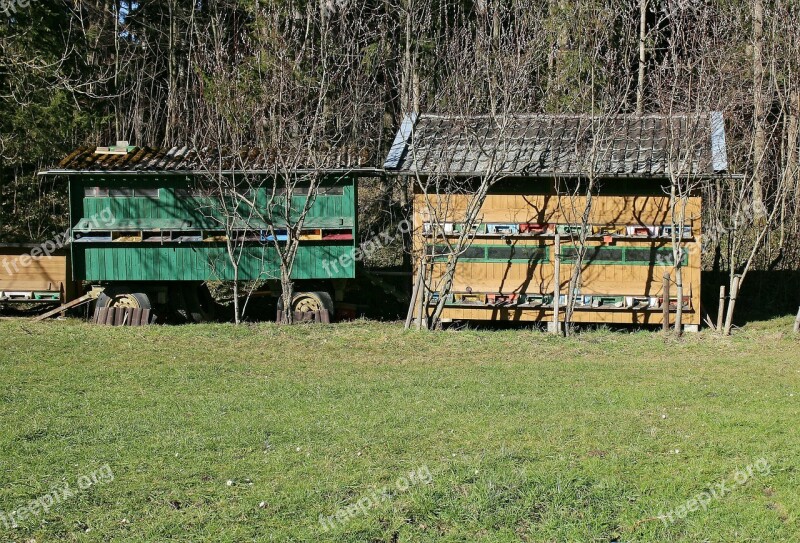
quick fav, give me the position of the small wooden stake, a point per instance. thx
(556, 283)
(721, 310)
(731, 305)
(665, 305)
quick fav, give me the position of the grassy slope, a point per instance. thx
(527, 437)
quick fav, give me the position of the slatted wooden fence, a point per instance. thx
(122, 316)
(322, 316)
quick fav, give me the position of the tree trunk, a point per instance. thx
(665, 304)
(759, 109)
(407, 91)
(557, 72)
(237, 317)
(642, 57)
(171, 77)
(556, 282)
(792, 136)
(287, 293)
(731, 305)
(577, 266)
(679, 292)
(446, 281)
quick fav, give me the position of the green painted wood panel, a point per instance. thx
(170, 205)
(199, 261)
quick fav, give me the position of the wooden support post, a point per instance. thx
(721, 310)
(414, 300)
(665, 305)
(732, 305)
(556, 283)
(797, 322)
(421, 297)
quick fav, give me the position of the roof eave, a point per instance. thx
(520, 175)
(360, 172)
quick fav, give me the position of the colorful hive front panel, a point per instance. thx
(507, 273)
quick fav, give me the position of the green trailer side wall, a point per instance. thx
(200, 261)
(170, 206)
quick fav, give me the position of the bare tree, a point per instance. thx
(292, 132)
(482, 53)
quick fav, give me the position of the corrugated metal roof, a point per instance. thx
(185, 159)
(530, 145)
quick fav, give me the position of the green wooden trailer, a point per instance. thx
(145, 228)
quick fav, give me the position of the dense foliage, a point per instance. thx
(247, 72)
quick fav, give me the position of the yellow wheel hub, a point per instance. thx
(306, 303)
(125, 300)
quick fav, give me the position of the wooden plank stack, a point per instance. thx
(322, 316)
(122, 316)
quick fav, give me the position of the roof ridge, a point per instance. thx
(527, 115)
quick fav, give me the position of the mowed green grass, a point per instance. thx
(526, 437)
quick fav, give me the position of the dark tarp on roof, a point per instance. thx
(531, 145)
(184, 159)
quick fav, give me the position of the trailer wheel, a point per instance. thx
(119, 297)
(310, 301)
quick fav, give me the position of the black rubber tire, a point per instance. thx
(102, 300)
(106, 298)
(323, 299)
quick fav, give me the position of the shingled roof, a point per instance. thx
(563, 145)
(185, 159)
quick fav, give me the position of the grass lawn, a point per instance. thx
(252, 433)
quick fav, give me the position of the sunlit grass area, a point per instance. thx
(254, 433)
